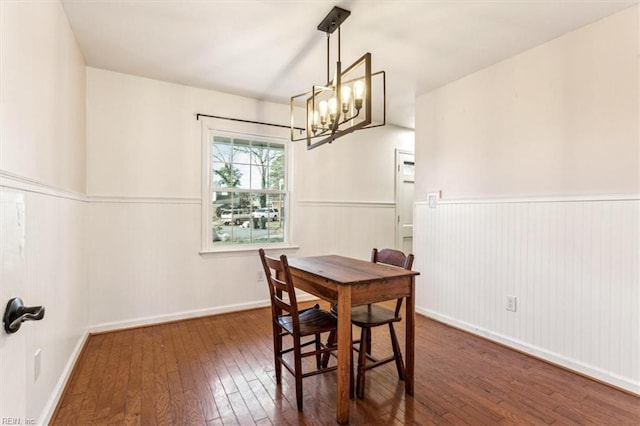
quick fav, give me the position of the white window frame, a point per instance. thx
(207, 246)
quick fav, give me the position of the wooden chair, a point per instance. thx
(295, 323)
(370, 316)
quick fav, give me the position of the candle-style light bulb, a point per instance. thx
(315, 120)
(358, 94)
(322, 106)
(346, 99)
(333, 109)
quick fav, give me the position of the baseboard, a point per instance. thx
(159, 319)
(52, 403)
(578, 367)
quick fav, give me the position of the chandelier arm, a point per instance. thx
(336, 123)
(350, 118)
(326, 129)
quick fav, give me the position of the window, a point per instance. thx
(246, 193)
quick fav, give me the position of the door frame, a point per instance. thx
(398, 182)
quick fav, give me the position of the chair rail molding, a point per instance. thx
(112, 199)
(334, 203)
(538, 199)
(23, 183)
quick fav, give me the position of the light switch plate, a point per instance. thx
(432, 199)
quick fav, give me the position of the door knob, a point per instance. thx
(16, 313)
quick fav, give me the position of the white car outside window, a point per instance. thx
(266, 212)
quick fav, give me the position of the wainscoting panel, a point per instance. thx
(345, 228)
(572, 264)
(145, 265)
(43, 261)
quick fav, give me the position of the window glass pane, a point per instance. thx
(277, 151)
(276, 170)
(219, 202)
(226, 212)
(241, 151)
(244, 171)
(226, 175)
(276, 202)
(276, 178)
(258, 177)
(221, 150)
(259, 153)
(271, 223)
(261, 145)
(408, 168)
(235, 222)
(242, 212)
(226, 230)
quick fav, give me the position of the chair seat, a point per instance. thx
(372, 316)
(312, 321)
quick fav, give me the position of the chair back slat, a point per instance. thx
(392, 257)
(280, 285)
(395, 258)
(280, 303)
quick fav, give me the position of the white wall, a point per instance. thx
(345, 193)
(553, 135)
(43, 91)
(143, 155)
(561, 118)
(42, 184)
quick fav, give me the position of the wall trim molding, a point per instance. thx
(547, 356)
(58, 391)
(545, 199)
(177, 316)
(14, 181)
(327, 203)
(113, 199)
(22, 183)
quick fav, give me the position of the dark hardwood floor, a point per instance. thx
(219, 370)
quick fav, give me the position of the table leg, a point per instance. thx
(344, 354)
(410, 312)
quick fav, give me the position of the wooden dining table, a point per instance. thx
(349, 282)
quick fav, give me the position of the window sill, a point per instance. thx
(248, 248)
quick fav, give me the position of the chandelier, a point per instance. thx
(344, 104)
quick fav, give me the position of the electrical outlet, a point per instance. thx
(512, 303)
(259, 276)
(36, 364)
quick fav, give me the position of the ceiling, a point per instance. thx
(271, 50)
